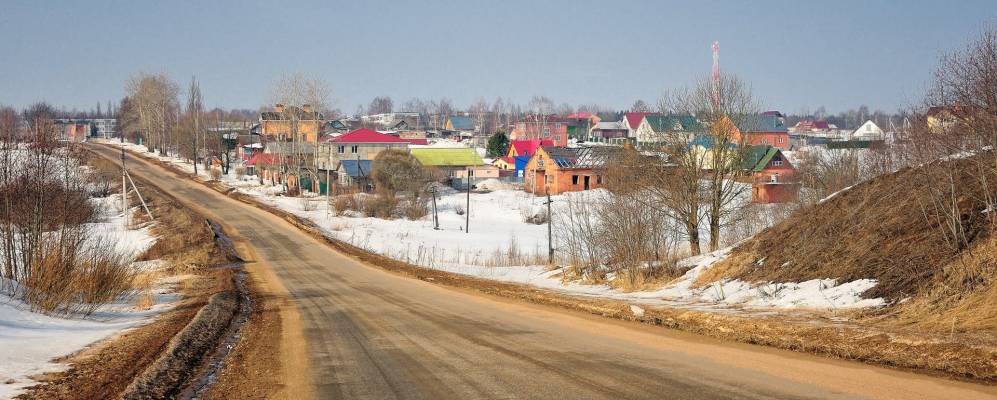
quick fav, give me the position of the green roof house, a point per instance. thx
(456, 164)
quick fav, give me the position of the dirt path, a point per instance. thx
(367, 333)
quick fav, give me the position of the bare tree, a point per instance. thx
(640, 106)
(964, 98)
(708, 161)
(381, 105)
(302, 97)
(192, 130)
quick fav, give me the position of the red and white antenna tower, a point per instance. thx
(716, 73)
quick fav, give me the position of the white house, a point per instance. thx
(868, 131)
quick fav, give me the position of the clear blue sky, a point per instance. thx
(796, 54)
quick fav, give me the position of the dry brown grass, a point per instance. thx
(877, 230)
(962, 298)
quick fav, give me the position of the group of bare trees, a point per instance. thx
(48, 256)
(599, 233)
(152, 109)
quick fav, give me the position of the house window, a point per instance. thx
(354, 149)
(574, 179)
(546, 131)
(598, 179)
(342, 149)
(526, 152)
(470, 173)
(557, 126)
(781, 140)
(777, 163)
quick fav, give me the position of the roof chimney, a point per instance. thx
(279, 108)
(306, 108)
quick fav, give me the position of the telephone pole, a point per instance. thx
(124, 189)
(124, 192)
(467, 215)
(436, 217)
(550, 231)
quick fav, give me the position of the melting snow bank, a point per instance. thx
(30, 341)
(823, 294)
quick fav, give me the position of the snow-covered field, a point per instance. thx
(30, 342)
(497, 223)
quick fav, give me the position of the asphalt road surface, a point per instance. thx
(370, 334)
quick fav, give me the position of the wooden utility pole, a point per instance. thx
(436, 217)
(467, 211)
(125, 179)
(550, 231)
(124, 189)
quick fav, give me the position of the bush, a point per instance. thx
(215, 174)
(378, 206)
(534, 216)
(240, 172)
(416, 210)
(342, 203)
(307, 204)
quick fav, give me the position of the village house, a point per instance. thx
(540, 127)
(71, 130)
(504, 164)
(456, 164)
(657, 128)
(580, 125)
(811, 126)
(632, 121)
(562, 169)
(334, 127)
(353, 174)
(360, 144)
(282, 121)
(943, 118)
(526, 148)
(609, 132)
(460, 124)
(868, 131)
(393, 121)
(761, 130)
(771, 175)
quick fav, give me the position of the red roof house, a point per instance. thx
(526, 147)
(633, 120)
(363, 135)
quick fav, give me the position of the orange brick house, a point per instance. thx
(542, 127)
(279, 123)
(761, 130)
(563, 169)
(772, 175)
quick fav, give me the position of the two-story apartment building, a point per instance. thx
(542, 127)
(280, 123)
(359, 144)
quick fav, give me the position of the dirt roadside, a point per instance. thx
(870, 344)
(260, 367)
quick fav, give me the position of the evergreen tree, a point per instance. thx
(498, 144)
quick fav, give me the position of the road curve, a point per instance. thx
(370, 334)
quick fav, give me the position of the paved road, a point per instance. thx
(374, 335)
